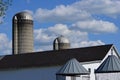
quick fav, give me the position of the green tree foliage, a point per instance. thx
(4, 4)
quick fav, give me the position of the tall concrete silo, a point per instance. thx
(22, 33)
(61, 42)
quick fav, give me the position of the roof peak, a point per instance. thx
(72, 67)
(110, 64)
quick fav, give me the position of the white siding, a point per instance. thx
(79, 77)
(108, 76)
(48, 73)
(109, 53)
(92, 66)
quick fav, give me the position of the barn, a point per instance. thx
(45, 65)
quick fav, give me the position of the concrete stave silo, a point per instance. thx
(60, 43)
(22, 33)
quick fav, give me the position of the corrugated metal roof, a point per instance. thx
(72, 67)
(111, 64)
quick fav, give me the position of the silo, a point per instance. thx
(22, 33)
(61, 42)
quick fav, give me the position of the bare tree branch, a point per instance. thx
(4, 4)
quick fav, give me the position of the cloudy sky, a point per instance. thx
(83, 22)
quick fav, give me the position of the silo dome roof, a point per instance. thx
(61, 39)
(23, 15)
(72, 67)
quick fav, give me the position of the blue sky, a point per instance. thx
(83, 22)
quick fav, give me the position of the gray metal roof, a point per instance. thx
(72, 67)
(111, 64)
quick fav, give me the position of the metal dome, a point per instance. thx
(61, 39)
(23, 15)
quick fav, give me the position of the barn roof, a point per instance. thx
(111, 64)
(54, 57)
(72, 67)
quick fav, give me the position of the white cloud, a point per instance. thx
(79, 11)
(95, 26)
(29, 11)
(5, 44)
(87, 43)
(44, 37)
(80, 15)
(59, 29)
(61, 14)
(106, 7)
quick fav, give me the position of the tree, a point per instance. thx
(4, 4)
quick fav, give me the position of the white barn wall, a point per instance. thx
(47, 73)
(92, 66)
(108, 76)
(114, 52)
(78, 77)
(41, 73)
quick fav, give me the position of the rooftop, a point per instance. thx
(72, 67)
(111, 64)
(54, 58)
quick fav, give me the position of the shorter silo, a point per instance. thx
(61, 42)
(109, 69)
(72, 70)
